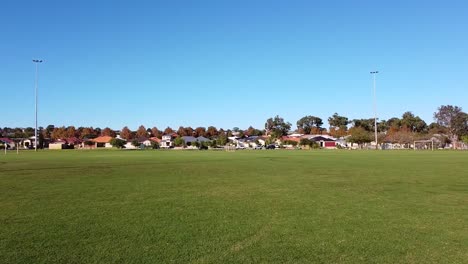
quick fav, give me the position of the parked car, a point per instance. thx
(259, 147)
(271, 146)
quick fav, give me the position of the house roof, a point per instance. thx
(102, 139)
(189, 139)
(142, 139)
(73, 140)
(155, 139)
(202, 139)
(6, 140)
(320, 138)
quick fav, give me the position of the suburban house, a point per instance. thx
(8, 142)
(144, 141)
(167, 141)
(102, 142)
(58, 144)
(325, 142)
(189, 140)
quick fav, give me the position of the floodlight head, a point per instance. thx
(37, 61)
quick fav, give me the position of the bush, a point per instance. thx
(117, 143)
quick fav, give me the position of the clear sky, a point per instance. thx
(229, 63)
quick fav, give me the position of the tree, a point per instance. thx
(107, 132)
(359, 136)
(156, 132)
(58, 133)
(168, 131)
(222, 139)
(136, 143)
(126, 133)
(414, 123)
(179, 142)
(454, 119)
(307, 142)
(253, 131)
(465, 139)
(366, 124)
(338, 122)
(277, 127)
(141, 132)
(211, 132)
(181, 132)
(70, 132)
(117, 143)
(200, 132)
(308, 122)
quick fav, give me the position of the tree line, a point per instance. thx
(450, 122)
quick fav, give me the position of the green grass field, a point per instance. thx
(234, 207)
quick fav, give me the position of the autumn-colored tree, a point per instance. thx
(189, 131)
(156, 132)
(182, 132)
(141, 132)
(71, 132)
(200, 132)
(126, 133)
(87, 132)
(211, 132)
(107, 132)
(168, 131)
(58, 133)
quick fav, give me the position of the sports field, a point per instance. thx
(234, 207)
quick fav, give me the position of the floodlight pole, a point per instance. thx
(35, 102)
(375, 110)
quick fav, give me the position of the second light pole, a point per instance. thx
(35, 102)
(375, 110)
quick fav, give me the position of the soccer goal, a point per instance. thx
(423, 145)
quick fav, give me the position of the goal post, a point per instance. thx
(423, 145)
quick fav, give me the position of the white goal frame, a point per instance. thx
(423, 141)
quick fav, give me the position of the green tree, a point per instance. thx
(179, 142)
(277, 127)
(414, 123)
(117, 143)
(222, 140)
(359, 136)
(454, 119)
(306, 124)
(135, 143)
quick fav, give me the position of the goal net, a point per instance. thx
(423, 145)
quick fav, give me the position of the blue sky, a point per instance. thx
(229, 63)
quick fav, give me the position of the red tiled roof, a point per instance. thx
(155, 139)
(102, 139)
(6, 140)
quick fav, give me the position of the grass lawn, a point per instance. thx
(234, 207)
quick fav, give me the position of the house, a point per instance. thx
(202, 139)
(325, 141)
(103, 142)
(189, 140)
(8, 142)
(143, 142)
(167, 140)
(29, 142)
(58, 144)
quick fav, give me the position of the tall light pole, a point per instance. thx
(375, 110)
(35, 102)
